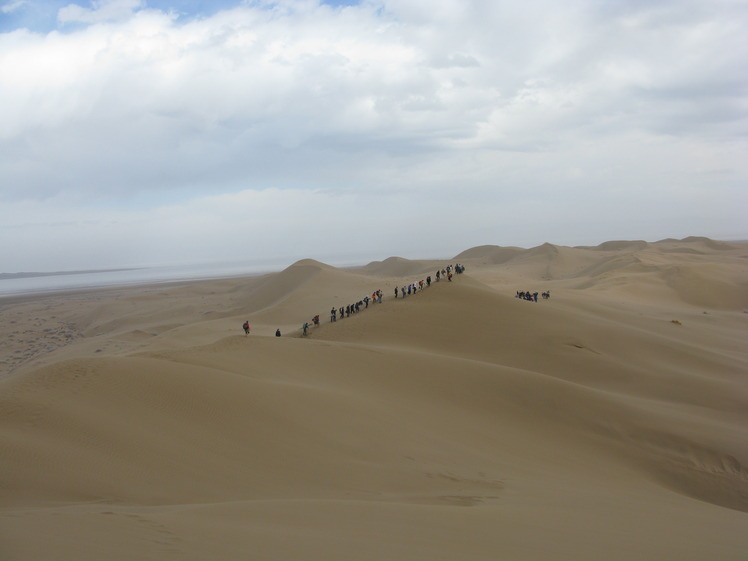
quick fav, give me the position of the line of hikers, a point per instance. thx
(376, 296)
(409, 289)
(354, 308)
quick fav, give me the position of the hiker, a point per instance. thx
(305, 327)
(277, 332)
(333, 315)
(396, 293)
(246, 328)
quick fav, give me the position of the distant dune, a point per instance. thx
(459, 422)
(635, 245)
(490, 254)
(398, 267)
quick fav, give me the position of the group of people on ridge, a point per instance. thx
(354, 308)
(376, 296)
(532, 296)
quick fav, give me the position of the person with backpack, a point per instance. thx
(246, 328)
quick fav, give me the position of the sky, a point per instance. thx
(147, 132)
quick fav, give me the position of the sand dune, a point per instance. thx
(489, 254)
(609, 422)
(399, 267)
(621, 245)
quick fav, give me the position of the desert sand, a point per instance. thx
(609, 422)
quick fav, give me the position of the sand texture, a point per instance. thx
(609, 422)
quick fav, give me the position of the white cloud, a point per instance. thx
(487, 108)
(10, 7)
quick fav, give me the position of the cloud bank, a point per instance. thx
(137, 132)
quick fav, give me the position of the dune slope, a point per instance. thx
(457, 423)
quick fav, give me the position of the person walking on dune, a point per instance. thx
(246, 328)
